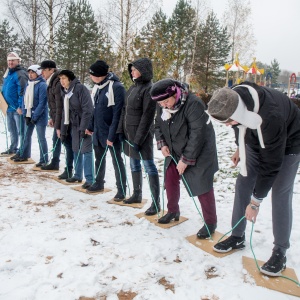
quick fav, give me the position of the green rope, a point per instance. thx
(119, 171)
(100, 164)
(76, 161)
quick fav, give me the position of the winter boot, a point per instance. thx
(51, 166)
(137, 180)
(154, 186)
(67, 173)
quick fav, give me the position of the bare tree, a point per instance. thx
(237, 18)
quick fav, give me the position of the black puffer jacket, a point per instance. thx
(138, 113)
(55, 100)
(280, 130)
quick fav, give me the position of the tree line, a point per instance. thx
(191, 45)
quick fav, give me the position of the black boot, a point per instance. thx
(51, 166)
(137, 180)
(203, 233)
(95, 187)
(67, 173)
(154, 186)
(167, 218)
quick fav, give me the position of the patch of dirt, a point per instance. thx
(122, 295)
(211, 273)
(177, 260)
(49, 203)
(166, 284)
(213, 297)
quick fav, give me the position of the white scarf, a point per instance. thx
(6, 73)
(49, 79)
(67, 107)
(250, 120)
(110, 96)
(28, 97)
(167, 113)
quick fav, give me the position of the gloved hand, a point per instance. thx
(62, 138)
(83, 135)
(27, 120)
(122, 137)
(32, 122)
(136, 147)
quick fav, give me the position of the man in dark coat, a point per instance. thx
(136, 126)
(55, 103)
(77, 114)
(108, 95)
(183, 135)
(268, 125)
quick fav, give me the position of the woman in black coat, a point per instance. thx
(77, 113)
(183, 133)
(136, 126)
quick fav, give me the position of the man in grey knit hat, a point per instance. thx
(268, 129)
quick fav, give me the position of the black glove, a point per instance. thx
(27, 120)
(122, 137)
(83, 135)
(136, 147)
(33, 122)
(62, 138)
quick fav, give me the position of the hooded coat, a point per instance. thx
(137, 118)
(55, 100)
(105, 119)
(14, 86)
(80, 112)
(280, 130)
(39, 110)
(192, 140)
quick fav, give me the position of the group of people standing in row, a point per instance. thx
(267, 125)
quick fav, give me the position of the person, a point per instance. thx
(35, 110)
(136, 126)
(14, 83)
(268, 127)
(77, 113)
(55, 103)
(187, 141)
(108, 95)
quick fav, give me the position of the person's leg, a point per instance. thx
(41, 135)
(208, 205)
(243, 190)
(56, 149)
(25, 152)
(119, 168)
(20, 124)
(69, 152)
(78, 158)
(88, 167)
(12, 128)
(282, 195)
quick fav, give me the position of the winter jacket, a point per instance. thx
(39, 110)
(55, 100)
(192, 140)
(137, 118)
(105, 119)
(13, 87)
(280, 130)
(80, 113)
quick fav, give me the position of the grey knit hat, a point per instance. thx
(223, 104)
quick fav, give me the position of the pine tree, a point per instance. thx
(8, 41)
(182, 26)
(211, 53)
(275, 70)
(79, 42)
(154, 42)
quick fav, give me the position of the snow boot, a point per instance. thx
(137, 180)
(154, 187)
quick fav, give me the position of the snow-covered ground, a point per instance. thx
(56, 243)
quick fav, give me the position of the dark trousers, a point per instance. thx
(172, 185)
(117, 160)
(57, 150)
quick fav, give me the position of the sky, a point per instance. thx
(60, 244)
(275, 25)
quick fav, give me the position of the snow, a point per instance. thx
(57, 243)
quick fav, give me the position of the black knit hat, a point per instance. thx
(99, 68)
(48, 64)
(67, 73)
(164, 89)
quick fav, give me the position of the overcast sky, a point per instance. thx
(276, 28)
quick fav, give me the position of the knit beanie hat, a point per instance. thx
(223, 104)
(13, 56)
(36, 69)
(67, 73)
(99, 68)
(163, 89)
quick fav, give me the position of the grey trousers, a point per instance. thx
(282, 195)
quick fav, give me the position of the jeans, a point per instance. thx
(84, 162)
(117, 160)
(57, 150)
(41, 135)
(135, 166)
(15, 125)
